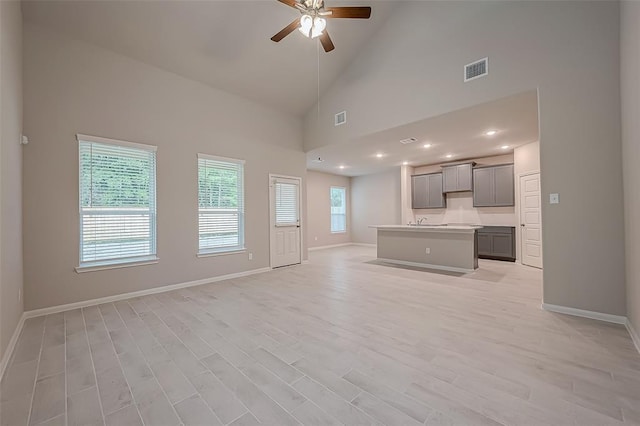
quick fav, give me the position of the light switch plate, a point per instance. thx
(554, 198)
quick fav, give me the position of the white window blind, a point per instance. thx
(220, 204)
(338, 209)
(286, 204)
(117, 201)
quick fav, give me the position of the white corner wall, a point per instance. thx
(375, 200)
(319, 209)
(74, 87)
(630, 69)
(412, 69)
(11, 270)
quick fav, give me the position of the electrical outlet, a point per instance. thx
(315, 238)
(554, 198)
(427, 250)
(250, 256)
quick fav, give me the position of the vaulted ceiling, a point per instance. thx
(224, 44)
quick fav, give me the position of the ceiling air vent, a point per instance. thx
(407, 141)
(341, 118)
(476, 69)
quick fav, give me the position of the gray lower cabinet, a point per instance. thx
(457, 178)
(497, 242)
(426, 191)
(493, 186)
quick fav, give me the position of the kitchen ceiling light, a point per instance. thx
(505, 147)
(379, 155)
(342, 167)
(449, 155)
(404, 163)
(427, 145)
(491, 132)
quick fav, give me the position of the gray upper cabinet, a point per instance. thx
(493, 186)
(458, 177)
(419, 191)
(426, 191)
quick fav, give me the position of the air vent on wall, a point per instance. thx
(476, 69)
(341, 118)
(408, 141)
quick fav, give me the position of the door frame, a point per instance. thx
(519, 236)
(272, 213)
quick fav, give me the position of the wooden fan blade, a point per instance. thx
(327, 44)
(349, 12)
(286, 30)
(291, 3)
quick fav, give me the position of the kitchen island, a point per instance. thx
(445, 247)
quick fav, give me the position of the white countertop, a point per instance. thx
(427, 228)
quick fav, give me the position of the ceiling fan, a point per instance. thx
(313, 21)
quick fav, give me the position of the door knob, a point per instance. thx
(522, 224)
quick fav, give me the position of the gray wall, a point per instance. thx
(73, 87)
(375, 200)
(10, 170)
(319, 209)
(412, 70)
(630, 56)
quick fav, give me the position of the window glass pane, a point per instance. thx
(286, 203)
(117, 203)
(338, 209)
(220, 205)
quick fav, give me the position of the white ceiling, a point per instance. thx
(459, 133)
(225, 44)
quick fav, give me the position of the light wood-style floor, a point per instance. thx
(341, 340)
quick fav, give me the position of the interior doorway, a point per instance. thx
(530, 220)
(285, 236)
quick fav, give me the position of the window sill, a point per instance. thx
(152, 260)
(338, 232)
(220, 253)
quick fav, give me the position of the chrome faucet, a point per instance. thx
(420, 220)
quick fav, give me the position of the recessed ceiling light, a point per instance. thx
(427, 145)
(379, 155)
(491, 132)
(449, 155)
(342, 167)
(404, 163)
(505, 147)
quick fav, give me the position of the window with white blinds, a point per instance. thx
(220, 204)
(286, 204)
(117, 202)
(338, 209)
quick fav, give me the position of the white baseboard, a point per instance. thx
(329, 247)
(6, 357)
(342, 245)
(616, 319)
(123, 296)
(427, 265)
(634, 334)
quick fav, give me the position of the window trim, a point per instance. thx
(101, 265)
(344, 189)
(98, 139)
(221, 251)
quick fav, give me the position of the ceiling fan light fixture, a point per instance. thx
(312, 27)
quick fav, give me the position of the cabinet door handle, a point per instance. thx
(522, 224)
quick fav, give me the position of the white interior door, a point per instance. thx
(285, 221)
(530, 220)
